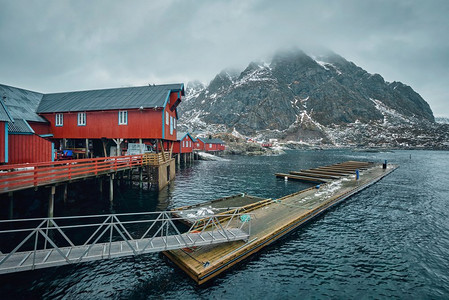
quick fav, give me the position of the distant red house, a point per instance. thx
(209, 145)
(184, 143)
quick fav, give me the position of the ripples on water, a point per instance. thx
(390, 240)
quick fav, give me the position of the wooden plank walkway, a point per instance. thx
(326, 174)
(272, 221)
(23, 176)
(302, 177)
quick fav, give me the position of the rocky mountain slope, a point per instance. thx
(322, 100)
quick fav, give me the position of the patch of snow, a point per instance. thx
(208, 156)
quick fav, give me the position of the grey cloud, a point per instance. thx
(68, 45)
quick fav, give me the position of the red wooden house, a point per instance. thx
(209, 145)
(5, 118)
(184, 143)
(89, 121)
(25, 135)
(183, 147)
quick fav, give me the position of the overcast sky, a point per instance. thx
(51, 46)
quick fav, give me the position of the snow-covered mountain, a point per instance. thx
(321, 99)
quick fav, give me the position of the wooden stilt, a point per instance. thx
(65, 193)
(140, 177)
(111, 188)
(87, 148)
(11, 205)
(51, 201)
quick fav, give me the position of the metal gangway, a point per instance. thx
(29, 244)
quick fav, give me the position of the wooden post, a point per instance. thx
(171, 149)
(65, 193)
(140, 177)
(111, 188)
(118, 142)
(11, 205)
(141, 146)
(104, 148)
(87, 148)
(163, 150)
(51, 201)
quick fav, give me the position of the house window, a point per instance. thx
(82, 119)
(59, 120)
(123, 117)
(171, 125)
(183, 143)
(197, 144)
(174, 123)
(210, 146)
(166, 118)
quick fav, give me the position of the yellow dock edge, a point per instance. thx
(255, 246)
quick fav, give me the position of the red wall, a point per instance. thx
(28, 148)
(145, 124)
(168, 136)
(198, 145)
(40, 128)
(2, 142)
(178, 148)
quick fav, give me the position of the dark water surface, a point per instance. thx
(389, 241)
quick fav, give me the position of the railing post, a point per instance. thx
(70, 170)
(115, 164)
(96, 167)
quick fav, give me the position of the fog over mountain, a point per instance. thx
(322, 99)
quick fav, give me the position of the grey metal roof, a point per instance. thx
(19, 126)
(118, 98)
(21, 104)
(211, 141)
(181, 135)
(4, 114)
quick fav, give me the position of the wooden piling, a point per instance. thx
(65, 192)
(111, 188)
(11, 205)
(51, 201)
(140, 177)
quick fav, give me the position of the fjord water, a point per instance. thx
(390, 240)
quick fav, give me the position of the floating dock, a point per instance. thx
(272, 219)
(327, 173)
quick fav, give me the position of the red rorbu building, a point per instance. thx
(25, 136)
(183, 147)
(209, 145)
(92, 121)
(184, 143)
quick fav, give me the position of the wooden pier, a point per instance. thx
(327, 173)
(272, 219)
(156, 169)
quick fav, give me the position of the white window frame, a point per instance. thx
(59, 120)
(174, 122)
(167, 118)
(210, 146)
(82, 119)
(123, 117)
(183, 143)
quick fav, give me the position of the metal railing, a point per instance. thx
(67, 240)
